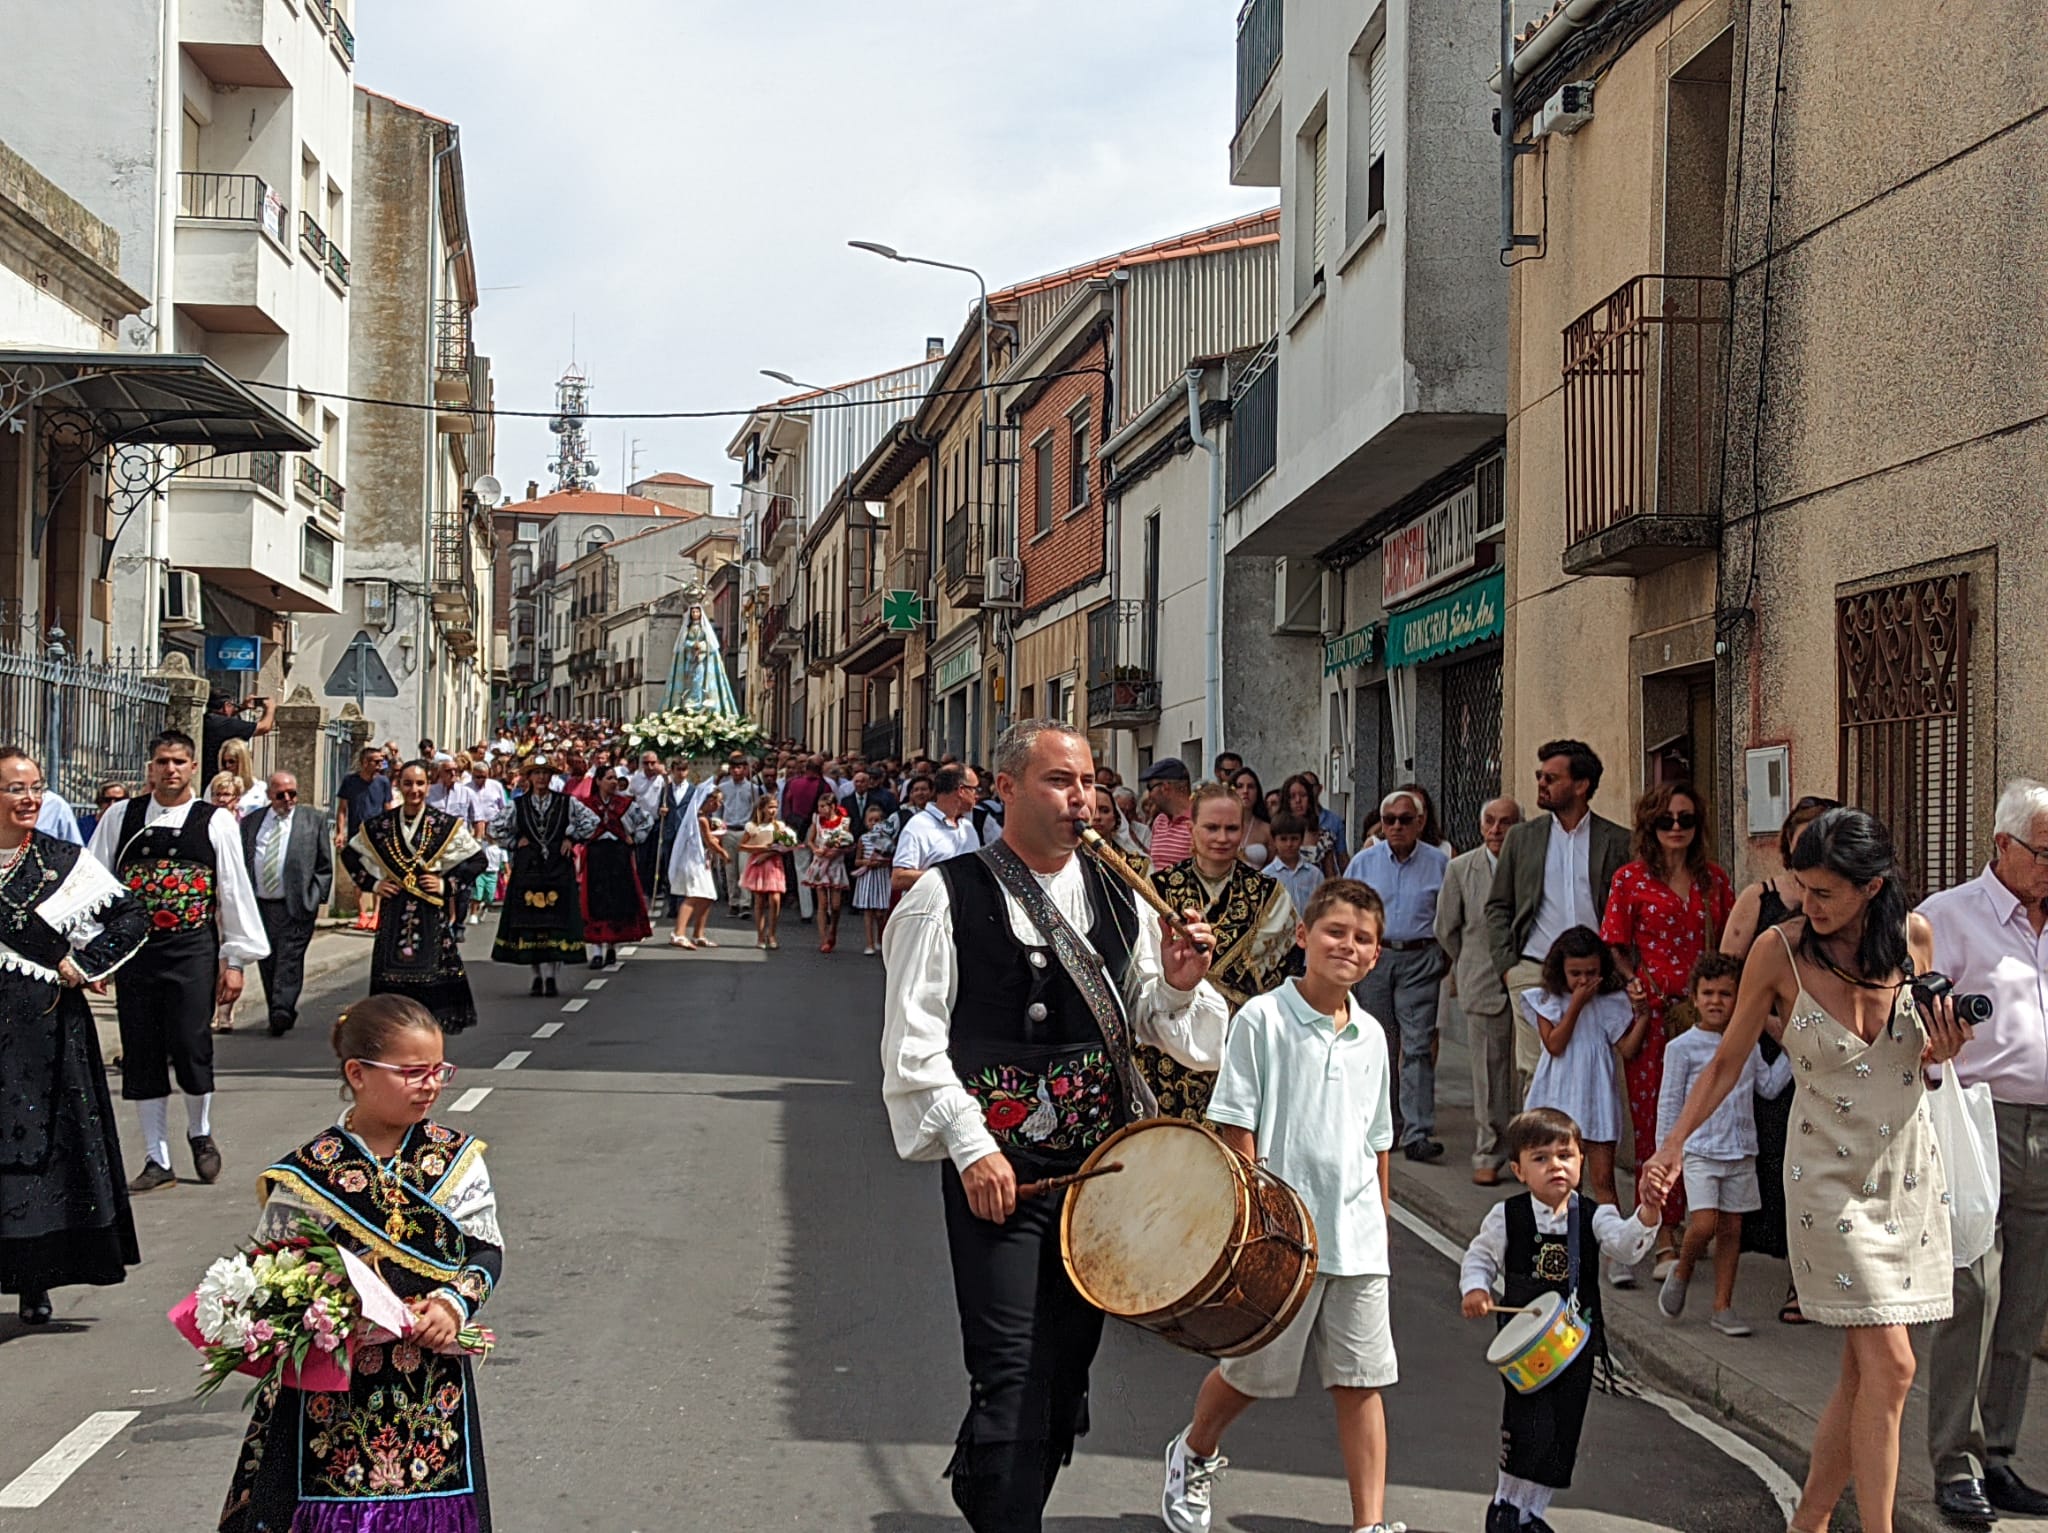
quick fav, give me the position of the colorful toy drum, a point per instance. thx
(1534, 1347)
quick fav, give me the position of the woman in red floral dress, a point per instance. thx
(1666, 907)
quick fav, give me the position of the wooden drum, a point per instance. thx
(1190, 1240)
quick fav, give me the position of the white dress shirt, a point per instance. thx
(1985, 943)
(647, 791)
(930, 838)
(930, 1113)
(234, 896)
(269, 875)
(1567, 887)
(487, 799)
(1623, 1240)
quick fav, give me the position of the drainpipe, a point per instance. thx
(1212, 684)
(430, 480)
(1546, 42)
(169, 156)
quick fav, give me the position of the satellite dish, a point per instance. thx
(488, 490)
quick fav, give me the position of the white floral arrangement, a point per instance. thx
(693, 730)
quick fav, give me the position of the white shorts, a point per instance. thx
(1347, 1319)
(1727, 1185)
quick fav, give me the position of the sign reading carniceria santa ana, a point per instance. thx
(1442, 542)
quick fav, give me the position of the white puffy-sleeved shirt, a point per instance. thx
(1623, 1239)
(236, 915)
(930, 1113)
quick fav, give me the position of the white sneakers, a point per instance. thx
(1184, 1504)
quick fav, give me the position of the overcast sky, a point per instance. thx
(680, 178)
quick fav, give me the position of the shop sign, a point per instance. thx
(234, 653)
(1357, 648)
(1442, 542)
(957, 667)
(1469, 615)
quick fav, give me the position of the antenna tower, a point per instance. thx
(572, 465)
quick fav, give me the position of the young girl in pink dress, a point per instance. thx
(764, 877)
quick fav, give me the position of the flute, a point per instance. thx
(1112, 859)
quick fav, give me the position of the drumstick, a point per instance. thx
(1513, 1309)
(1061, 1183)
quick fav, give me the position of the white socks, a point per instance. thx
(156, 1130)
(1526, 1496)
(198, 1114)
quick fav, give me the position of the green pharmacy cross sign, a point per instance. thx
(904, 610)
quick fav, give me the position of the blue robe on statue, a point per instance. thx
(696, 676)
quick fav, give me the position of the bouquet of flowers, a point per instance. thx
(693, 730)
(784, 836)
(290, 1311)
(835, 839)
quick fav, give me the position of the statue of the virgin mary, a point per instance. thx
(697, 676)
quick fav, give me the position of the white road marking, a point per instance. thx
(471, 1099)
(595, 984)
(576, 1005)
(1782, 1487)
(513, 1060)
(42, 1479)
(547, 1030)
(628, 952)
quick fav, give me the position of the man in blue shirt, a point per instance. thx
(1407, 874)
(1328, 819)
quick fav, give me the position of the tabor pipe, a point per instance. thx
(1062, 1183)
(1110, 858)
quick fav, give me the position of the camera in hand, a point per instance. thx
(1930, 987)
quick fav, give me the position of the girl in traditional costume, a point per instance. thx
(542, 922)
(413, 858)
(1253, 919)
(401, 1451)
(614, 904)
(65, 922)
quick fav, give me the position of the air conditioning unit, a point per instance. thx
(1297, 596)
(1003, 583)
(1332, 620)
(1567, 111)
(377, 604)
(181, 600)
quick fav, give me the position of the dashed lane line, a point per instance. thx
(576, 1005)
(1782, 1487)
(595, 984)
(471, 1099)
(628, 952)
(547, 1029)
(513, 1060)
(42, 1479)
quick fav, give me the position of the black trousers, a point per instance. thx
(163, 997)
(1029, 1338)
(646, 857)
(284, 971)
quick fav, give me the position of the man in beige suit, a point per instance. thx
(1489, 1019)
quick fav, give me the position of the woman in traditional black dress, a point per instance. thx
(414, 858)
(65, 922)
(542, 922)
(614, 904)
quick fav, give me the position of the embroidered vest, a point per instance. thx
(170, 870)
(1023, 1040)
(1539, 1263)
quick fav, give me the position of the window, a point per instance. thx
(1027, 703)
(1077, 459)
(316, 556)
(1042, 471)
(1311, 203)
(309, 183)
(1059, 693)
(330, 443)
(529, 532)
(1319, 248)
(1365, 159)
(595, 538)
(1150, 560)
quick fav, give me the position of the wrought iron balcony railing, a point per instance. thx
(1258, 51)
(224, 199)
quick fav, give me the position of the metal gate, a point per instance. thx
(84, 722)
(1902, 662)
(338, 759)
(1471, 735)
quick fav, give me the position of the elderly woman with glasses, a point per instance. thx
(1667, 905)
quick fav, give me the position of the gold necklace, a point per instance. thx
(389, 1191)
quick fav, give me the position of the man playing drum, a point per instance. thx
(1020, 978)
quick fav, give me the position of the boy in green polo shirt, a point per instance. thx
(1304, 1086)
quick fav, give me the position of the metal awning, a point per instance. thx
(146, 399)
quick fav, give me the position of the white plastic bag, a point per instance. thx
(1967, 1131)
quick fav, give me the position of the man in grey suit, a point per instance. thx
(1554, 874)
(1489, 1021)
(290, 855)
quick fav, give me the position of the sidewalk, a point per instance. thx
(1772, 1385)
(334, 947)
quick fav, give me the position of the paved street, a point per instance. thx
(726, 1303)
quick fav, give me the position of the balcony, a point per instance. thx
(1123, 684)
(314, 485)
(344, 40)
(228, 524)
(234, 269)
(966, 554)
(455, 601)
(873, 643)
(322, 251)
(258, 470)
(780, 529)
(240, 42)
(1644, 410)
(1255, 145)
(818, 645)
(882, 740)
(455, 369)
(778, 635)
(1254, 426)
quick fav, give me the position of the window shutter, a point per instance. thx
(1376, 82)
(1319, 248)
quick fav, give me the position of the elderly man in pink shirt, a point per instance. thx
(1991, 938)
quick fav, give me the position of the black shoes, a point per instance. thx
(279, 1026)
(2009, 1493)
(1424, 1150)
(1502, 1518)
(598, 961)
(1964, 1503)
(206, 1158)
(550, 988)
(35, 1306)
(537, 983)
(151, 1177)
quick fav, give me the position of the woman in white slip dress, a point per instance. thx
(1865, 1194)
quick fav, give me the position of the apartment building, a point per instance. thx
(216, 138)
(415, 509)
(1778, 528)
(1375, 426)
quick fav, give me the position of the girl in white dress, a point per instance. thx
(1584, 1015)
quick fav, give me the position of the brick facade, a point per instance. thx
(1073, 550)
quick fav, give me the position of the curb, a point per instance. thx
(1674, 1365)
